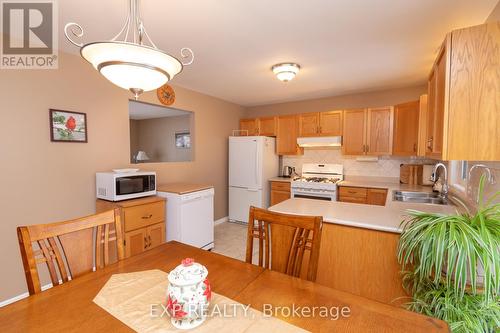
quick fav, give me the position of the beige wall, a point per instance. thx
(157, 138)
(495, 14)
(361, 100)
(43, 182)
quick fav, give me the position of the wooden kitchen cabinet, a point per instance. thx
(328, 123)
(249, 127)
(362, 195)
(436, 102)
(463, 116)
(368, 131)
(267, 126)
(135, 242)
(280, 191)
(309, 124)
(376, 196)
(143, 222)
(379, 131)
(354, 137)
(472, 131)
(156, 235)
(286, 136)
(422, 125)
(406, 127)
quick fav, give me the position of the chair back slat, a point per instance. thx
(59, 259)
(49, 260)
(99, 261)
(70, 248)
(77, 247)
(286, 239)
(106, 245)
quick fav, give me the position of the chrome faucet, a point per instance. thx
(444, 189)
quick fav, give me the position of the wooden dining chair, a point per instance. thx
(283, 241)
(70, 248)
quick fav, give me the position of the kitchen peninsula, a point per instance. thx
(359, 242)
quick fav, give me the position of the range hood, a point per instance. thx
(320, 141)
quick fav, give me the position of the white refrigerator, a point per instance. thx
(252, 162)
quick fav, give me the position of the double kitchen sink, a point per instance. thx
(419, 197)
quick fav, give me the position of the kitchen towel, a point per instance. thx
(129, 297)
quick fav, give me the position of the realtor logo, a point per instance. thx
(29, 34)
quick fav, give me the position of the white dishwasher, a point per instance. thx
(190, 217)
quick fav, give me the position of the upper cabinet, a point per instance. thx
(249, 126)
(379, 131)
(265, 126)
(330, 123)
(406, 125)
(268, 126)
(422, 125)
(354, 138)
(286, 136)
(309, 124)
(463, 118)
(327, 123)
(368, 131)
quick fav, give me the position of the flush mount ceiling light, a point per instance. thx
(127, 60)
(285, 71)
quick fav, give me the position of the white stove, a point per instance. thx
(318, 181)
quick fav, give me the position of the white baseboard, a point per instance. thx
(221, 220)
(23, 295)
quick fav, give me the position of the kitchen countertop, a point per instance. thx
(383, 218)
(281, 179)
(182, 188)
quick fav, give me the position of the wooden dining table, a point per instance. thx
(70, 308)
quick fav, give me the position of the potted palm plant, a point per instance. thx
(451, 265)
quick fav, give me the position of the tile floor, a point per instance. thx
(231, 241)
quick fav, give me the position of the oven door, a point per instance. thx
(314, 194)
(134, 186)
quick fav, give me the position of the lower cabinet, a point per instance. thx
(140, 240)
(143, 222)
(280, 191)
(363, 195)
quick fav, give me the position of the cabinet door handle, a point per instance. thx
(429, 143)
(147, 216)
(367, 148)
(415, 147)
(145, 242)
(150, 242)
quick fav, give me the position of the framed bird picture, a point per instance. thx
(67, 126)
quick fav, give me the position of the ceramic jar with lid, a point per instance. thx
(188, 294)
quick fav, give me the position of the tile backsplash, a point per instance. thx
(386, 166)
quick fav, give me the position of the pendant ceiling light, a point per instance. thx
(285, 71)
(130, 59)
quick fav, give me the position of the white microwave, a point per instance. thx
(114, 186)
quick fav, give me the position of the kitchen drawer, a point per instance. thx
(280, 186)
(360, 200)
(358, 192)
(136, 217)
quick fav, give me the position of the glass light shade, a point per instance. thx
(285, 72)
(285, 76)
(131, 66)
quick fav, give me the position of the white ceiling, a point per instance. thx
(343, 46)
(139, 111)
